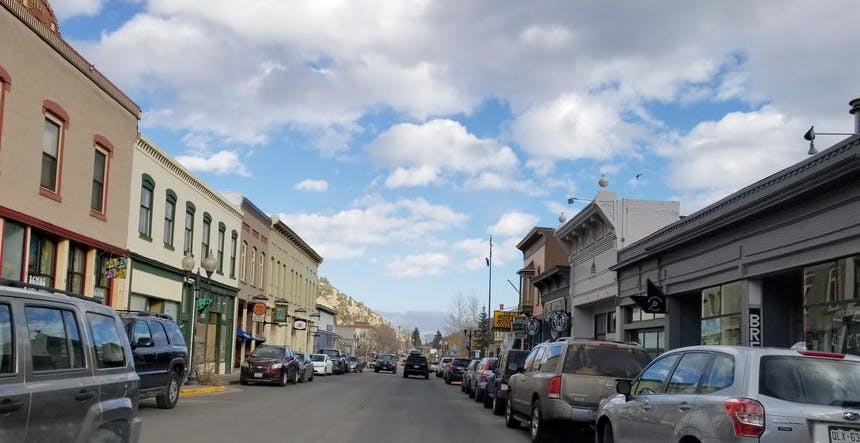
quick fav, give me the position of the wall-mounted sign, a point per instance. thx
(532, 326)
(300, 325)
(654, 300)
(116, 268)
(755, 327)
(503, 320)
(258, 312)
(281, 312)
(558, 321)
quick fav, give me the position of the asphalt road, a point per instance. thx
(352, 408)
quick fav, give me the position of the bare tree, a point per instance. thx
(382, 338)
(463, 313)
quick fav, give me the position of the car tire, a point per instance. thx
(295, 379)
(243, 382)
(537, 429)
(170, 397)
(510, 420)
(498, 407)
(284, 375)
(447, 380)
(426, 376)
(405, 376)
(471, 392)
(488, 401)
(462, 387)
(606, 435)
(302, 378)
(479, 396)
(376, 370)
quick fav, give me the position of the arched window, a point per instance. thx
(189, 228)
(222, 232)
(207, 228)
(169, 217)
(147, 191)
(234, 236)
(243, 271)
(252, 276)
(262, 272)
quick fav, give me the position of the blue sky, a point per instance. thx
(397, 136)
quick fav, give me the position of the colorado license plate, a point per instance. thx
(258, 375)
(844, 435)
(503, 387)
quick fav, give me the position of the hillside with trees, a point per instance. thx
(349, 310)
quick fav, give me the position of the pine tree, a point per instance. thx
(416, 338)
(483, 338)
(437, 340)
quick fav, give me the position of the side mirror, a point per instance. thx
(143, 342)
(623, 387)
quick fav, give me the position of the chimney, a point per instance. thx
(855, 111)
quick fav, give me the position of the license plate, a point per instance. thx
(503, 387)
(416, 366)
(844, 435)
(258, 375)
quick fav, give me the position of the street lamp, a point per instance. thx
(188, 264)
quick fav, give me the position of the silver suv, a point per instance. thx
(563, 382)
(737, 394)
(66, 372)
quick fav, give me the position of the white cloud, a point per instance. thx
(417, 265)
(408, 177)
(219, 163)
(310, 185)
(476, 251)
(373, 220)
(65, 9)
(513, 224)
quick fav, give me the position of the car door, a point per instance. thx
(14, 394)
(144, 353)
(163, 353)
(681, 397)
(63, 391)
(520, 392)
(635, 415)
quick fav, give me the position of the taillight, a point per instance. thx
(821, 354)
(746, 415)
(555, 387)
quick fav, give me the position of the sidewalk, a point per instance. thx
(224, 380)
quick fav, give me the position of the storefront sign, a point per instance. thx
(281, 312)
(518, 324)
(755, 327)
(532, 326)
(300, 325)
(115, 268)
(558, 321)
(654, 300)
(503, 320)
(258, 313)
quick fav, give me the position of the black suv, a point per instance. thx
(339, 365)
(416, 364)
(386, 362)
(67, 372)
(160, 355)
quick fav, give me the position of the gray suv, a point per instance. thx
(737, 394)
(66, 372)
(563, 382)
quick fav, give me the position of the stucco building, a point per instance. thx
(66, 141)
(542, 252)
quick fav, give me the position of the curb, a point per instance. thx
(201, 391)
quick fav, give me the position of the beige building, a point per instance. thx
(542, 252)
(66, 140)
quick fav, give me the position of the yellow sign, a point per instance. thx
(502, 320)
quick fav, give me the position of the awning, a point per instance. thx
(241, 334)
(259, 338)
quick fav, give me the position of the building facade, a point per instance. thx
(773, 264)
(542, 252)
(66, 142)
(593, 237)
(177, 215)
(324, 328)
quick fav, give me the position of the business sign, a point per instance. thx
(116, 267)
(503, 320)
(654, 300)
(755, 327)
(281, 312)
(532, 326)
(300, 325)
(519, 324)
(258, 312)
(558, 321)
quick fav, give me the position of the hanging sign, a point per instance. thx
(532, 326)
(258, 312)
(558, 321)
(503, 320)
(300, 325)
(281, 312)
(755, 327)
(518, 324)
(654, 300)
(115, 268)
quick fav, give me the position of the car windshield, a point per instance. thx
(332, 354)
(318, 357)
(515, 360)
(605, 361)
(385, 357)
(817, 381)
(416, 359)
(268, 352)
(461, 362)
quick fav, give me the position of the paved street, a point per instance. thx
(360, 408)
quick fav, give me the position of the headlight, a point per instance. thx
(245, 364)
(277, 366)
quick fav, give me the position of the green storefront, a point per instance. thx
(214, 326)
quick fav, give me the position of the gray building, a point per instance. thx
(775, 263)
(324, 335)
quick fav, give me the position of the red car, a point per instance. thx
(271, 364)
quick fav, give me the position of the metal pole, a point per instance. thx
(192, 376)
(489, 301)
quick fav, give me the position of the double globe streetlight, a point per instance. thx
(208, 265)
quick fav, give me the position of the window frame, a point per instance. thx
(61, 310)
(43, 236)
(234, 239)
(206, 236)
(53, 112)
(243, 271)
(169, 225)
(101, 145)
(669, 372)
(119, 331)
(5, 87)
(705, 368)
(146, 183)
(222, 233)
(13, 351)
(70, 272)
(188, 231)
(24, 247)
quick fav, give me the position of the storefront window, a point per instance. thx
(637, 314)
(832, 306)
(721, 314)
(651, 340)
(13, 251)
(102, 289)
(77, 264)
(40, 269)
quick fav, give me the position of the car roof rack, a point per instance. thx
(40, 288)
(144, 313)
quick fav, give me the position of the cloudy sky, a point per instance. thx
(396, 136)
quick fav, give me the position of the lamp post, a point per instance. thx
(490, 295)
(188, 264)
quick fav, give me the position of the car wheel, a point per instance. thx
(498, 406)
(302, 378)
(488, 401)
(312, 377)
(447, 380)
(376, 370)
(426, 376)
(283, 381)
(168, 399)
(470, 391)
(510, 420)
(607, 436)
(462, 387)
(295, 378)
(243, 382)
(405, 376)
(479, 396)
(537, 430)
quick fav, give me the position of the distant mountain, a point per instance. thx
(428, 322)
(348, 309)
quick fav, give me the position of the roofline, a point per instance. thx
(555, 270)
(250, 208)
(584, 214)
(841, 157)
(325, 308)
(532, 237)
(72, 56)
(286, 231)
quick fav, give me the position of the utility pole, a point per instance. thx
(489, 331)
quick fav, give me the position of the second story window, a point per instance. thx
(222, 230)
(243, 270)
(97, 201)
(189, 228)
(169, 218)
(250, 276)
(144, 224)
(51, 154)
(233, 239)
(204, 245)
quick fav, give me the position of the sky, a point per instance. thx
(397, 136)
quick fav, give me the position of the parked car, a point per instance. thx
(563, 382)
(338, 360)
(454, 371)
(433, 365)
(68, 370)
(479, 376)
(730, 393)
(271, 364)
(160, 355)
(306, 367)
(322, 364)
(466, 386)
(440, 368)
(510, 362)
(386, 362)
(353, 364)
(416, 364)
(371, 363)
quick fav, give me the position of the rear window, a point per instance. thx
(605, 361)
(416, 359)
(816, 381)
(332, 354)
(385, 357)
(317, 357)
(461, 362)
(516, 357)
(446, 360)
